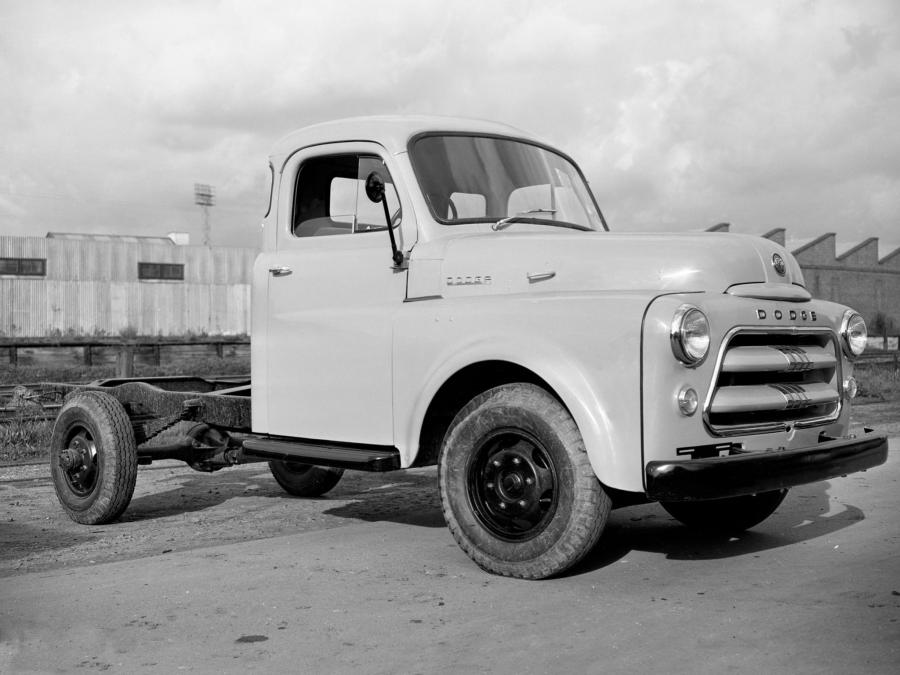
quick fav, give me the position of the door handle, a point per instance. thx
(282, 271)
(534, 277)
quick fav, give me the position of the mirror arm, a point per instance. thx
(396, 255)
(375, 193)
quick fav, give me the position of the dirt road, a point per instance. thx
(225, 573)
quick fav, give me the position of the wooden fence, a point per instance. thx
(120, 352)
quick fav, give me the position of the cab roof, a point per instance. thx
(391, 131)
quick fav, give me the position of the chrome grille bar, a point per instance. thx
(772, 380)
(753, 398)
(777, 358)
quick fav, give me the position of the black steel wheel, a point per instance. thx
(517, 489)
(93, 458)
(724, 516)
(511, 484)
(305, 480)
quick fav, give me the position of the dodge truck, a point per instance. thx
(445, 291)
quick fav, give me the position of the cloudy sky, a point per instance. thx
(682, 113)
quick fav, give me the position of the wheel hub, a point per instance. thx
(512, 486)
(79, 462)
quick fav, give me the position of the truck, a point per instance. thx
(443, 291)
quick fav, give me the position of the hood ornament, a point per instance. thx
(778, 264)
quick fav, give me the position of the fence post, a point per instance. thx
(125, 361)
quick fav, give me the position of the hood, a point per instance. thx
(571, 261)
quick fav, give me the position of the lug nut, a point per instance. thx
(516, 460)
(496, 462)
(490, 486)
(503, 505)
(522, 503)
(529, 480)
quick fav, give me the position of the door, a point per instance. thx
(332, 293)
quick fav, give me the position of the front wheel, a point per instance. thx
(93, 458)
(305, 480)
(517, 489)
(730, 515)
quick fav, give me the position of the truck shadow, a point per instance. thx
(404, 497)
(806, 514)
(191, 492)
(26, 540)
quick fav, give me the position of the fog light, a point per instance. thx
(851, 388)
(688, 401)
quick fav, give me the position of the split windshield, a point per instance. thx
(478, 179)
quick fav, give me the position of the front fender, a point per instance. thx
(585, 346)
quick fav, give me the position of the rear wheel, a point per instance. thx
(731, 515)
(305, 480)
(93, 458)
(517, 489)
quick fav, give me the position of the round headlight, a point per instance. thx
(855, 335)
(690, 335)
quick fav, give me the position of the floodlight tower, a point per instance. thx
(204, 197)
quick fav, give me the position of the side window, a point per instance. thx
(330, 196)
(270, 182)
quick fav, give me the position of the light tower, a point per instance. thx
(204, 197)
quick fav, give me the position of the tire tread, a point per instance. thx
(115, 439)
(590, 508)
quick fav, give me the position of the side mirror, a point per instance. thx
(375, 187)
(375, 192)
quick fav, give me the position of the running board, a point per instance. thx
(359, 457)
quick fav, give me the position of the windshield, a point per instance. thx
(478, 179)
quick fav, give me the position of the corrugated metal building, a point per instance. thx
(66, 284)
(857, 277)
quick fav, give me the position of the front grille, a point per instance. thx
(769, 381)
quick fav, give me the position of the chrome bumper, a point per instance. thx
(750, 473)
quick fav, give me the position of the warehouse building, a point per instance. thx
(857, 277)
(107, 285)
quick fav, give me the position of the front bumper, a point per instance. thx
(719, 477)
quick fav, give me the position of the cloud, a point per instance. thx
(682, 114)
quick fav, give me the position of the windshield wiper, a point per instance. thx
(503, 222)
(523, 216)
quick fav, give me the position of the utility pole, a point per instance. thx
(204, 197)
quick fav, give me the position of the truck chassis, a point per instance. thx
(107, 428)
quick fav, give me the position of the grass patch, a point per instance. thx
(24, 438)
(27, 438)
(878, 381)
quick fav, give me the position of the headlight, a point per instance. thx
(853, 330)
(690, 335)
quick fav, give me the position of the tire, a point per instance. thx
(722, 516)
(305, 480)
(93, 458)
(517, 489)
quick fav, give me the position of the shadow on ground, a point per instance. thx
(804, 515)
(407, 497)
